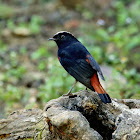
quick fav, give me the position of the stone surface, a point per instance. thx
(68, 125)
(128, 125)
(20, 124)
(81, 117)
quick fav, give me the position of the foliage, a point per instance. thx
(6, 11)
(33, 26)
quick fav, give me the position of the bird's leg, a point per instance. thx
(69, 92)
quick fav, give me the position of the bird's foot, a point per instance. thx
(70, 95)
(86, 90)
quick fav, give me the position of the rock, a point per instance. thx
(128, 125)
(20, 124)
(131, 103)
(80, 117)
(69, 125)
(22, 31)
(100, 116)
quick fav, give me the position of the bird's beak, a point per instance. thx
(52, 39)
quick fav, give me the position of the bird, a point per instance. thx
(79, 63)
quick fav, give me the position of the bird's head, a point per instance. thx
(63, 38)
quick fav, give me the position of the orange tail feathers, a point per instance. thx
(99, 89)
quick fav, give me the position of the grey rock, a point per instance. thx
(81, 117)
(68, 125)
(128, 125)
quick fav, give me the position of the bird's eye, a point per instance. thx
(62, 36)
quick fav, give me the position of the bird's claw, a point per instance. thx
(86, 90)
(70, 95)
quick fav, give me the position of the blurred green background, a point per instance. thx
(30, 73)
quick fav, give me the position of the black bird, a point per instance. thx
(79, 63)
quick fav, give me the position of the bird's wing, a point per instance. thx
(77, 68)
(80, 70)
(95, 65)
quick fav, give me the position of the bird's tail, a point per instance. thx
(99, 89)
